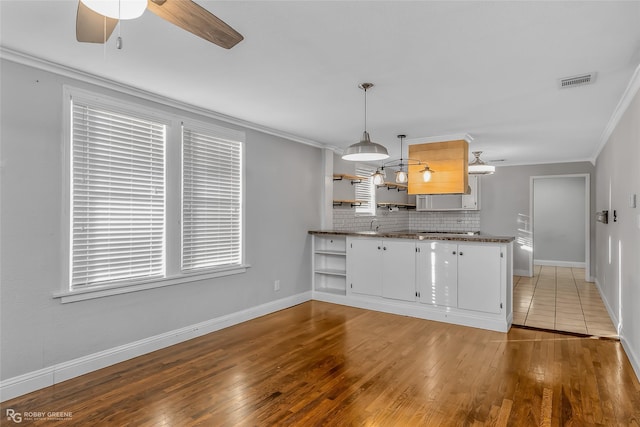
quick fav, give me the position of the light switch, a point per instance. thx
(632, 201)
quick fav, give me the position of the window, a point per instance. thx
(366, 191)
(154, 199)
(118, 197)
(211, 199)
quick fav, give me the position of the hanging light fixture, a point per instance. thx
(401, 175)
(365, 150)
(478, 167)
(379, 176)
(426, 173)
(117, 9)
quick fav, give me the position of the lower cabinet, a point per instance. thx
(479, 278)
(437, 273)
(465, 276)
(381, 267)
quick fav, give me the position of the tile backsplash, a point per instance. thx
(402, 220)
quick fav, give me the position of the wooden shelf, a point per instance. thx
(355, 179)
(394, 186)
(349, 202)
(331, 272)
(398, 205)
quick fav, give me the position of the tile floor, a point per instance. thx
(559, 298)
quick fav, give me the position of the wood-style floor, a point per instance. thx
(324, 364)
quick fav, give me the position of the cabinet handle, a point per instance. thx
(454, 252)
(378, 247)
(461, 253)
(384, 248)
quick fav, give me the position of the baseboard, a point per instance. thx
(633, 357)
(554, 263)
(523, 273)
(612, 314)
(32, 381)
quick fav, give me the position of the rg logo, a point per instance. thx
(14, 416)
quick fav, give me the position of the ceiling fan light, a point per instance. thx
(401, 177)
(117, 9)
(365, 150)
(478, 167)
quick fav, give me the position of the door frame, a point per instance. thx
(587, 217)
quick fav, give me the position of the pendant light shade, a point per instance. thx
(378, 177)
(117, 9)
(478, 167)
(426, 173)
(401, 177)
(365, 150)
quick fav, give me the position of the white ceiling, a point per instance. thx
(487, 69)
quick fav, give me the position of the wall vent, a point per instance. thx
(579, 80)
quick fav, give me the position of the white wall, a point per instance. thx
(37, 331)
(618, 243)
(559, 220)
(505, 204)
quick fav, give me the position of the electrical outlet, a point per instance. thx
(276, 285)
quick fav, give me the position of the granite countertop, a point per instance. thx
(482, 238)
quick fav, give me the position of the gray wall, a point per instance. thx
(505, 203)
(618, 243)
(559, 220)
(282, 204)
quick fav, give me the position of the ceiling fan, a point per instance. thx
(96, 19)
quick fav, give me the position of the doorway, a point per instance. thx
(560, 222)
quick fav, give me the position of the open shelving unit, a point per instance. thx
(330, 264)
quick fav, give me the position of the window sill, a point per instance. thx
(85, 294)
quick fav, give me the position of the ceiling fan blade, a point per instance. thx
(197, 20)
(91, 27)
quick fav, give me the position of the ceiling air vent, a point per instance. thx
(579, 80)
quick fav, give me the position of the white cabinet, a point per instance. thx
(451, 202)
(329, 264)
(437, 273)
(364, 266)
(479, 278)
(381, 267)
(466, 276)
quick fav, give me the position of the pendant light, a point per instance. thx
(401, 174)
(426, 173)
(379, 176)
(365, 150)
(117, 9)
(478, 167)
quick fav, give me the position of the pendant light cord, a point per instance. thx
(365, 109)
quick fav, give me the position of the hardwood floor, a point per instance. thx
(326, 364)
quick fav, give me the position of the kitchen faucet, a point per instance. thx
(371, 225)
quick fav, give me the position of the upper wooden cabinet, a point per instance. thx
(449, 160)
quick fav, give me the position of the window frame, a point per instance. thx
(173, 199)
(372, 203)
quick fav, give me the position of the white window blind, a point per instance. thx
(118, 197)
(366, 191)
(211, 200)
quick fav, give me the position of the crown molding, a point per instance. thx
(627, 96)
(69, 72)
(440, 138)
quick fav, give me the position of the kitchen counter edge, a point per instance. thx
(418, 236)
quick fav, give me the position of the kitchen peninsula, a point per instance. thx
(459, 278)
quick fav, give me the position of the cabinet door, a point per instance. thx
(364, 266)
(472, 201)
(479, 278)
(399, 270)
(437, 273)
